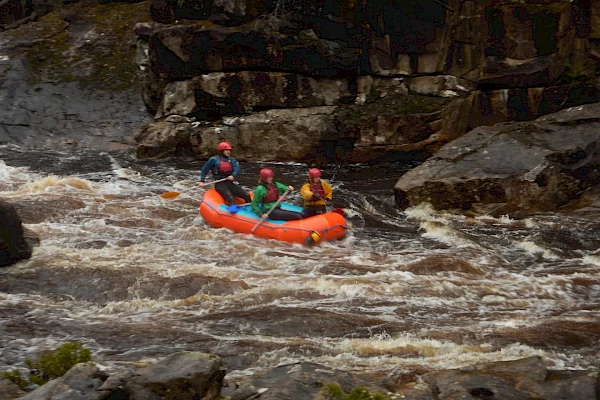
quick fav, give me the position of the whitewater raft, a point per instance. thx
(324, 227)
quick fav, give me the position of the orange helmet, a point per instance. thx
(224, 146)
(314, 173)
(266, 173)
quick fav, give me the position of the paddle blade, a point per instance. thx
(169, 195)
(236, 207)
(339, 211)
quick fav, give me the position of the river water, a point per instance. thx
(136, 277)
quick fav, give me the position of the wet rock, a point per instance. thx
(532, 166)
(400, 123)
(81, 382)
(241, 393)
(10, 11)
(47, 68)
(244, 92)
(165, 138)
(287, 134)
(13, 245)
(181, 52)
(509, 380)
(178, 376)
(526, 60)
(9, 390)
(539, 71)
(303, 381)
(229, 12)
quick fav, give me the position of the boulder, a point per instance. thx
(183, 375)
(277, 135)
(509, 380)
(532, 166)
(9, 390)
(13, 244)
(80, 383)
(304, 381)
(165, 138)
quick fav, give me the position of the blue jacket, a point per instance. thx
(213, 164)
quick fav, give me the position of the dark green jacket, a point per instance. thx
(260, 192)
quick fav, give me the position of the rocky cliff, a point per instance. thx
(359, 81)
(68, 78)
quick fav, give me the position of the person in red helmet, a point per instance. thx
(316, 193)
(266, 195)
(224, 166)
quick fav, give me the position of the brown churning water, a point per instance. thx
(135, 276)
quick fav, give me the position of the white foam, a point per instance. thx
(445, 234)
(533, 248)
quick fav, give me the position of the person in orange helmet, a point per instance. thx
(266, 195)
(316, 193)
(223, 166)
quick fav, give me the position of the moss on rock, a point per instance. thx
(90, 44)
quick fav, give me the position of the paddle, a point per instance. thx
(172, 195)
(269, 212)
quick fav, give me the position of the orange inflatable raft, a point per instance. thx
(324, 227)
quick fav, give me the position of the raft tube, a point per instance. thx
(324, 227)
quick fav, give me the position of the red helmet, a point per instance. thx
(224, 146)
(266, 173)
(314, 173)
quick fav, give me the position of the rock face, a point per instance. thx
(541, 165)
(13, 246)
(69, 78)
(500, 61)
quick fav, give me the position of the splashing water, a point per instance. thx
(134, 276)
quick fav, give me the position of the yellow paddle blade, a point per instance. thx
(169, 195)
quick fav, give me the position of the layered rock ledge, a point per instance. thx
(542, 165)
(467, 64)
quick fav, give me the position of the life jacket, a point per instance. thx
(317, 188)
(272, 193)
(225, 168)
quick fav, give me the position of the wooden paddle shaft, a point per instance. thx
(269, 212)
